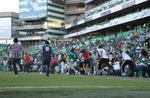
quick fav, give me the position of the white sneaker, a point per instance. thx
(79, 73)
(123, 74)
(67, 73)
(41, 73)
(94, 73)
(76, 72)
(16, 75)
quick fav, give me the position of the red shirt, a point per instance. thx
(28, 60)
(86, 56)
(53, 59)
(89, 41)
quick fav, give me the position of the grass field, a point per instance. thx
(34, 85)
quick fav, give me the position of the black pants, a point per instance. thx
(131, 66)
(9, 65)
(104, 61)
(46, 66)
(14, 61)
(149, 70)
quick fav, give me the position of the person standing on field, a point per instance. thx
(46, 57)
(28, 63)
(16, 50)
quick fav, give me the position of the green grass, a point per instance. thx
(116, 87)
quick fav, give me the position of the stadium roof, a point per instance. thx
(9, 14)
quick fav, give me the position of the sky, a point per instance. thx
(9, 5)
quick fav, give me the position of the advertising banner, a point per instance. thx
(32, 9)
(128, 4)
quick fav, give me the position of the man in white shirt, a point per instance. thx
(127, 61)
(103, 58)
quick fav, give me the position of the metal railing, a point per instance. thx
(75, 11)
(74, 1)
(27, 27)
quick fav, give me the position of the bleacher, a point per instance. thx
(119, 34)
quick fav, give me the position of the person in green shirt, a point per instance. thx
(71, 61)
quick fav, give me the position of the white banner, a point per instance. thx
(128, 18)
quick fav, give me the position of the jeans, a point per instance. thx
(26, 67)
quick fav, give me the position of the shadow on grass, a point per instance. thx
(76, 94)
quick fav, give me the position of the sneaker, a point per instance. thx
(88, 73)
(41, 73)
(16, 75)
(123, 74)
(67, 73)
(76, 72)
(94, 73)
(79, 73)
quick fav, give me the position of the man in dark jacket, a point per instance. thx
(46, 58)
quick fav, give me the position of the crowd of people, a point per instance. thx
(123, 56)
(118, 56)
